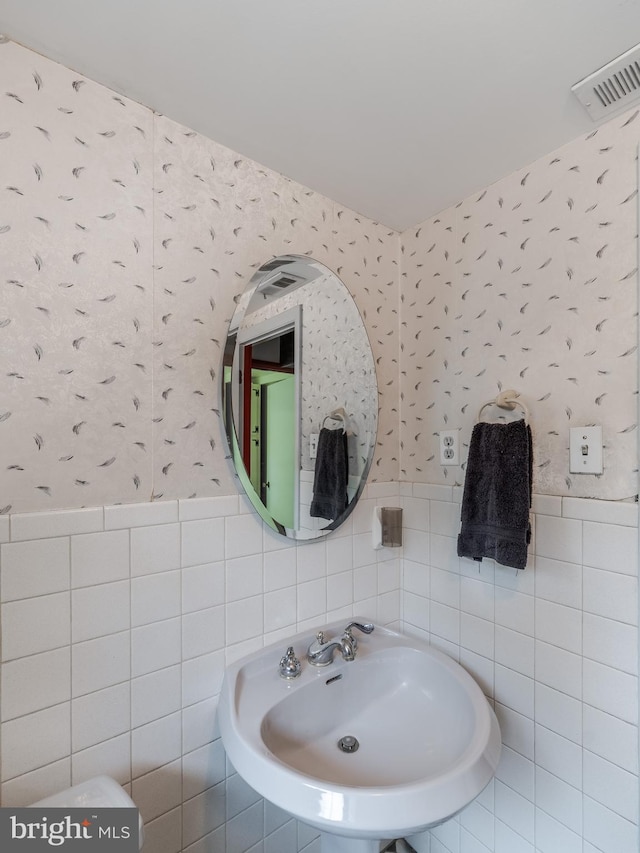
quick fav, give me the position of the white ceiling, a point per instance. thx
(395, 108)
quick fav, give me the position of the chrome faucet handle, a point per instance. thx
(366, 628)
(290, 665)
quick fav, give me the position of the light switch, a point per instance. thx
(313, 444)
(585, 450)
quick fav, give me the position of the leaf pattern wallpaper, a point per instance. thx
(126, 239)
(530, 284)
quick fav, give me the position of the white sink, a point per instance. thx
(428, 740)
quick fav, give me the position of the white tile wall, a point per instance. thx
(555, 649)
(114, 644)
(116, 624)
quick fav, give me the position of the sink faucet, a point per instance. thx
(321, 651)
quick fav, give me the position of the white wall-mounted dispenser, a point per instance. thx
(386, 527)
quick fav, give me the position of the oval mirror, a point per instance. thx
(299, 396)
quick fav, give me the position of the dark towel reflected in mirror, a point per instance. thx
(332, 470)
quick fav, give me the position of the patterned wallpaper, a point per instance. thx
(530, 284)
(125, 239)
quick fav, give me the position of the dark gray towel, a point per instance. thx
(497, 494)
(330, 480)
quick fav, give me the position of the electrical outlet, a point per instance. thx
(450, 447)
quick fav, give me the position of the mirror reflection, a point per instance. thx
(300, 398)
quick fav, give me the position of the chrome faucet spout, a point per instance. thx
(321, 651)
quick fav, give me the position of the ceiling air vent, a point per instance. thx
(612, 89)
(278, 282)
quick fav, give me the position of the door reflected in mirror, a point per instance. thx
(299, 397)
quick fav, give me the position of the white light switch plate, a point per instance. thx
(585, 450)
(313, 444)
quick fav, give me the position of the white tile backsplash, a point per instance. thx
(203, 814)
(558, 581)
(610, 595)
(608, 512)
(135, 625)
(243, 535)
(35, 682)
(100, 716)
(140, 514)
(517, 730)
(514, 690)
(158, 792)
(202, 677)
(610, 690)
(280, 568)
(156, 549)
(35, 740)
(199, 724)
(155, 598)
(156, 695)
(558, 755)
(97, 611)
(155, 646)
(280, 609)
(202, 541)
(515, 650)
(34, 568)
(610, 546)
(156, 744)
(33, 625)
(610, 642)
(100, 557)
(559, 625)
(515, 811)
(44, 525)
(559, 538)
(477, 635)
(244, 577)
(245, 619)
(197, 508)
(312, 599)
(203, 586)
(610, 785)
(559, 712)
(611, 738)
(562, 801)
(203, 631)
(515, 610)
(100, 663)
(558, 668)
(606, 830)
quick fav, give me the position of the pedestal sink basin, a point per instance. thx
(384, 746)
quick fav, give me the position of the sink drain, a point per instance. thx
(348, 743)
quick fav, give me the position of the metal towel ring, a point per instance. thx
(507, 400)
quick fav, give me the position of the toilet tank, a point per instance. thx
(98, 792)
